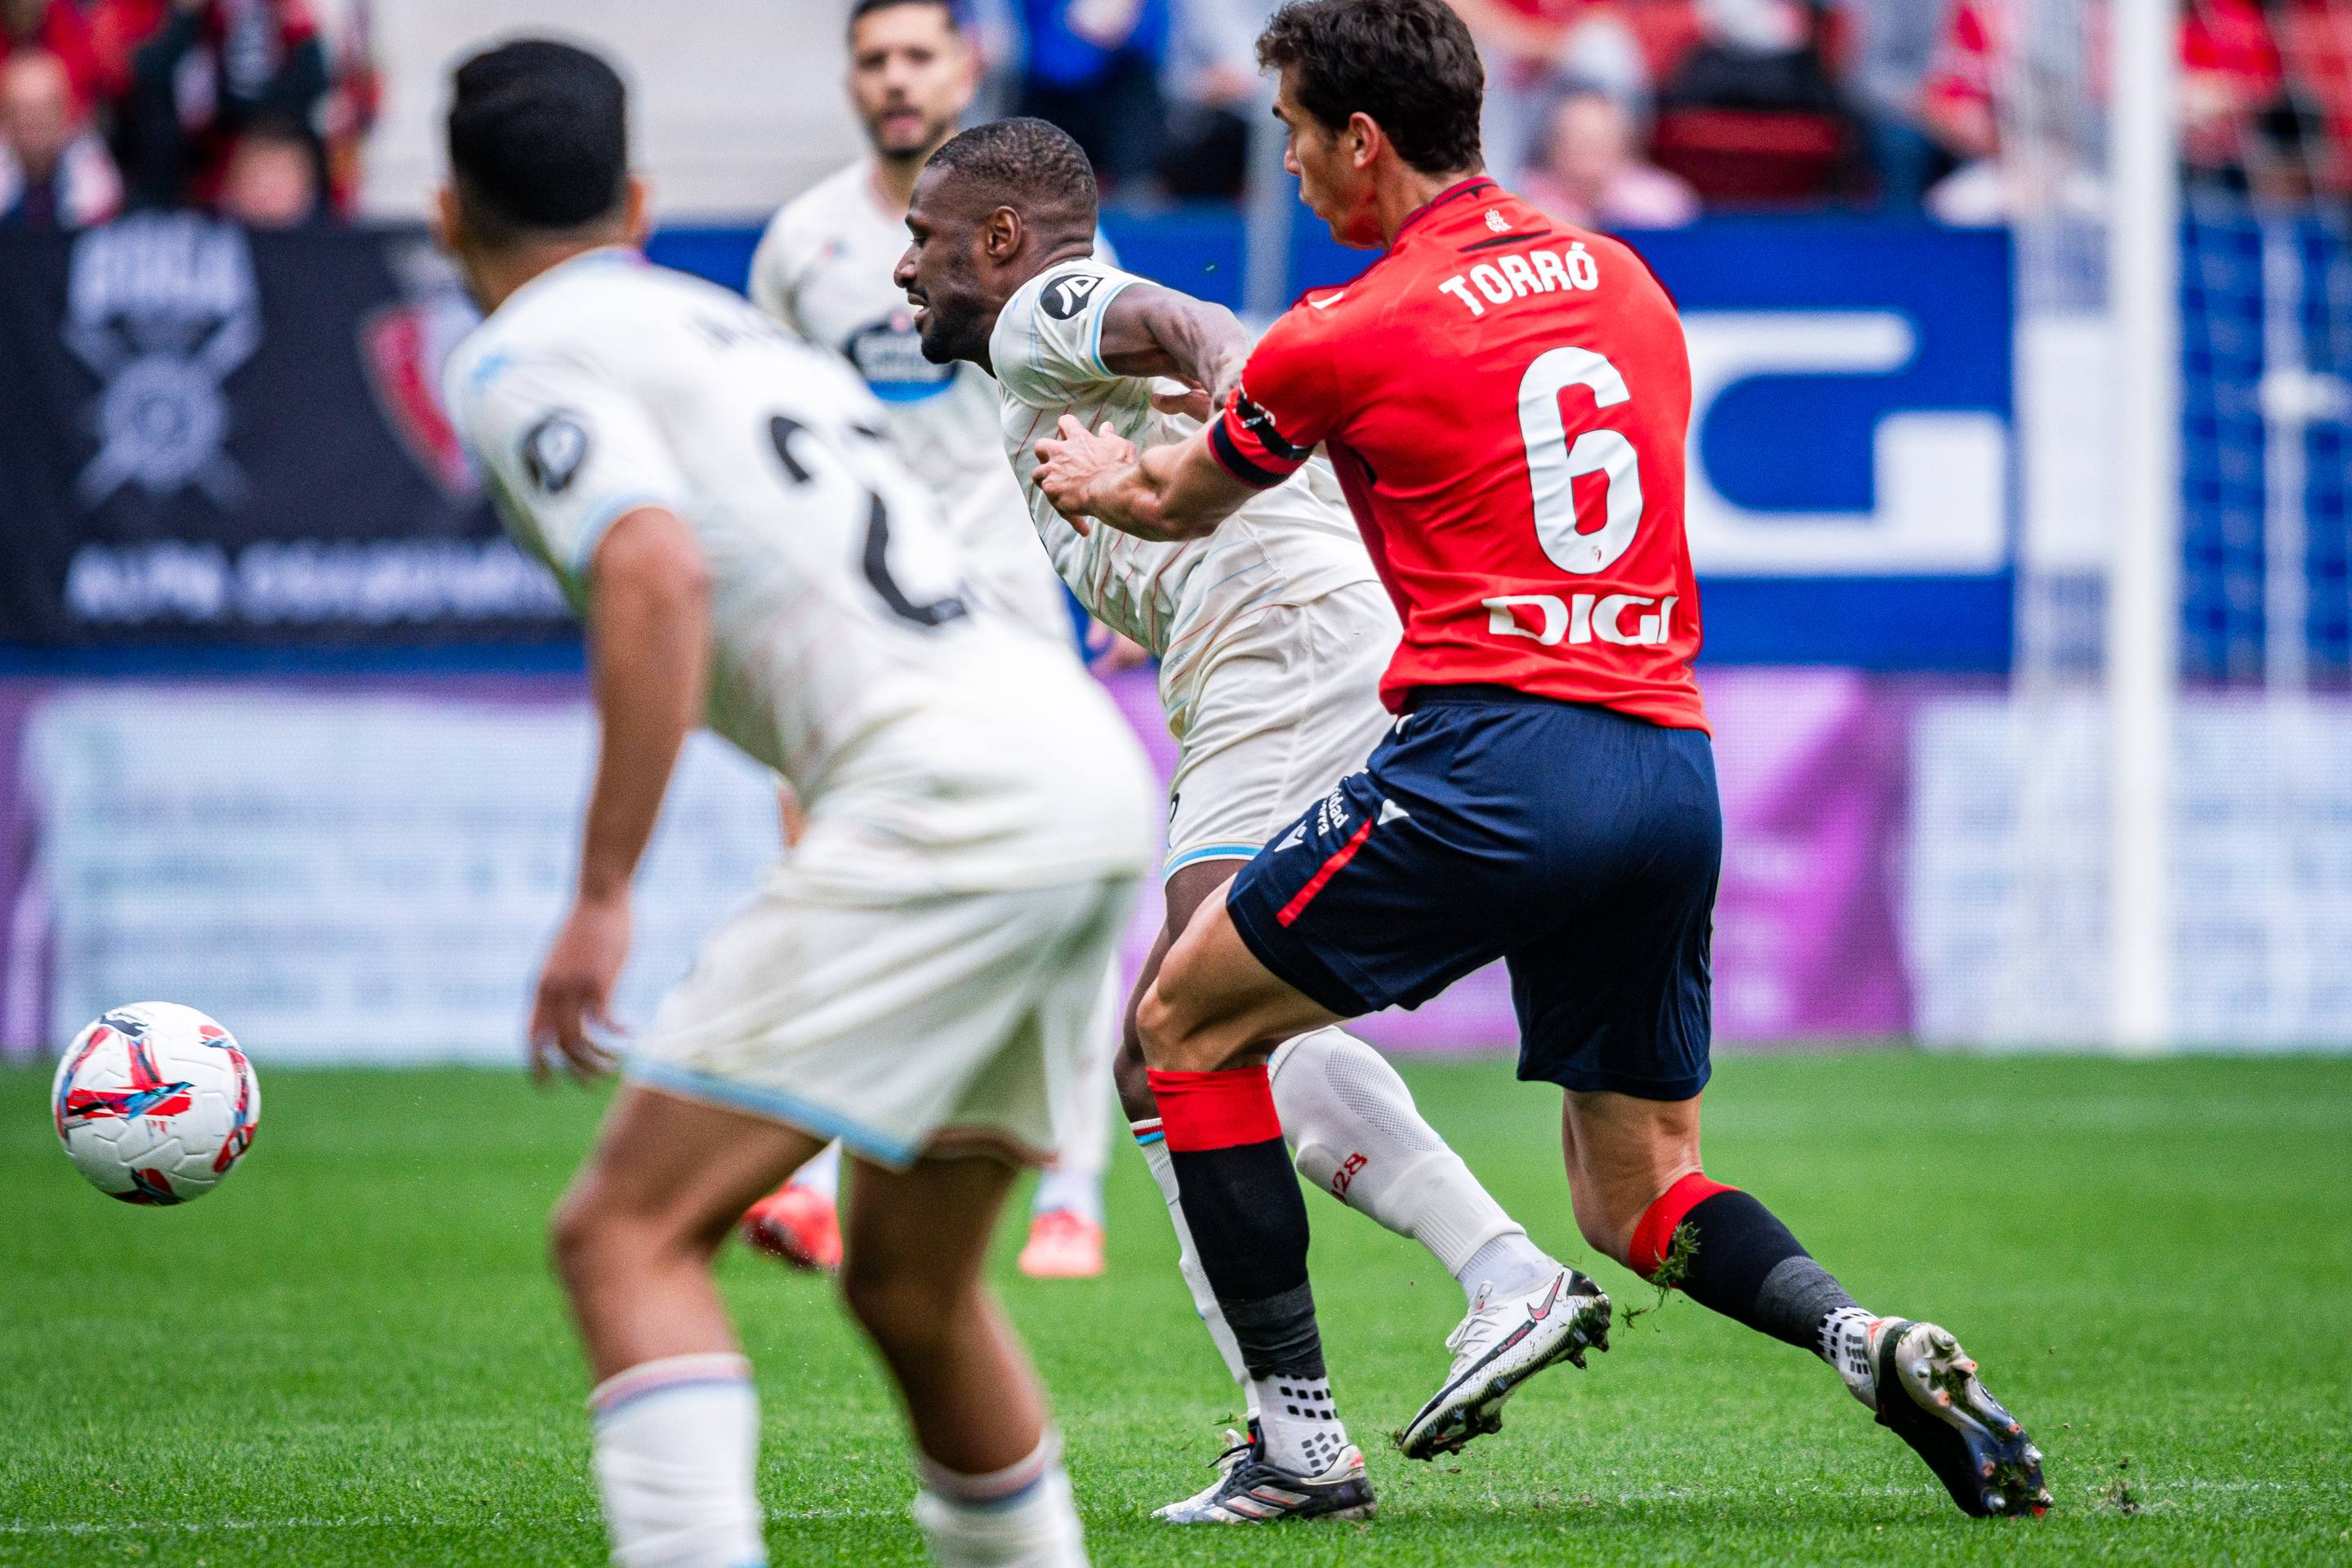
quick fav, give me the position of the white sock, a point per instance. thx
(823, 1173)
(1358, 1135)
(1019, 1517)
(1154, 1145)
(676, 1441)
(1078, 1191)
(1510, 1264)
(1846, 1345)
(1301, 1427)
(1076, 1182)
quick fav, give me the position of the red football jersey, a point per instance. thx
(1504, 399)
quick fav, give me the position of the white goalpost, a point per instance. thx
(2143, 605)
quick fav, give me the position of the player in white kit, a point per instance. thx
(723, 506)
(823, 269)
(1272, 633)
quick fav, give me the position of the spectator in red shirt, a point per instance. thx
(54, 171)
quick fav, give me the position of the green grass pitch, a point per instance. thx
(351, 1353)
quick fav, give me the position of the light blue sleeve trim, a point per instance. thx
(1209, 852)
(1113, 284)
(600, 520)
(776, 1106)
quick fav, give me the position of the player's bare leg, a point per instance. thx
(1208, 1023)
(993, 1488)
(677, 1420)
(1355, 1133)
(1641, 1198)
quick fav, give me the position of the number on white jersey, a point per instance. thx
(874, 556)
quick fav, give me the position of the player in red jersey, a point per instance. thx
(1506, 402)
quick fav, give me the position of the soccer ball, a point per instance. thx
(155, 1103)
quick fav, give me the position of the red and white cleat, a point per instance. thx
(797, 1224)
(1063, 1246)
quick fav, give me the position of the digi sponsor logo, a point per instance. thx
(1586, 617)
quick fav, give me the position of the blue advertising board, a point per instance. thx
(1851, 445)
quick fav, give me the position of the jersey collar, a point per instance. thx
(1453, 193)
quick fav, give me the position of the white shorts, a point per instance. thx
(929, 1025)
(1287, 705)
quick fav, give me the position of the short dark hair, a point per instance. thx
(864, 8)
(1034, 159)
(539, 138)
(1409, 63)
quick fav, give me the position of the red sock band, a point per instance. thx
(1203, 1111)
(1655, 1232)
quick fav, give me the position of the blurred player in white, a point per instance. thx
(823, 269)
(723, 506)
(1271, 635)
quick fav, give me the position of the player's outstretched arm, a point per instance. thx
(648, 644)
(1176, 492)
(1149, 329)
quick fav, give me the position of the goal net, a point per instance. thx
(2228, 714)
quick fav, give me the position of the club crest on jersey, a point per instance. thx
(1065, 297)
(553, 452)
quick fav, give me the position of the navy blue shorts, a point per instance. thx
(1579, 845)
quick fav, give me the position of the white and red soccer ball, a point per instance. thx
(155, 1103)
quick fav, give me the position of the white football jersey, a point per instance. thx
(823, 268)
(1291, 545)
(960, 752)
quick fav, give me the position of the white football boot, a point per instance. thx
(1504, 1342)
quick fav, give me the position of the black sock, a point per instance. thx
(1248, 1220)
(1727, 1252)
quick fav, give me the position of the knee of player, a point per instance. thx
(574, 1231)
(1604, 1237)
(1168, 1033)
(1132, 1080)
(898, 1308)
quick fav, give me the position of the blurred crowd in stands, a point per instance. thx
(242, 107)
(1613, 113)
(1644, 113)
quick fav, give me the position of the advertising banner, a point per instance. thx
(370, 873)
(218, 436)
